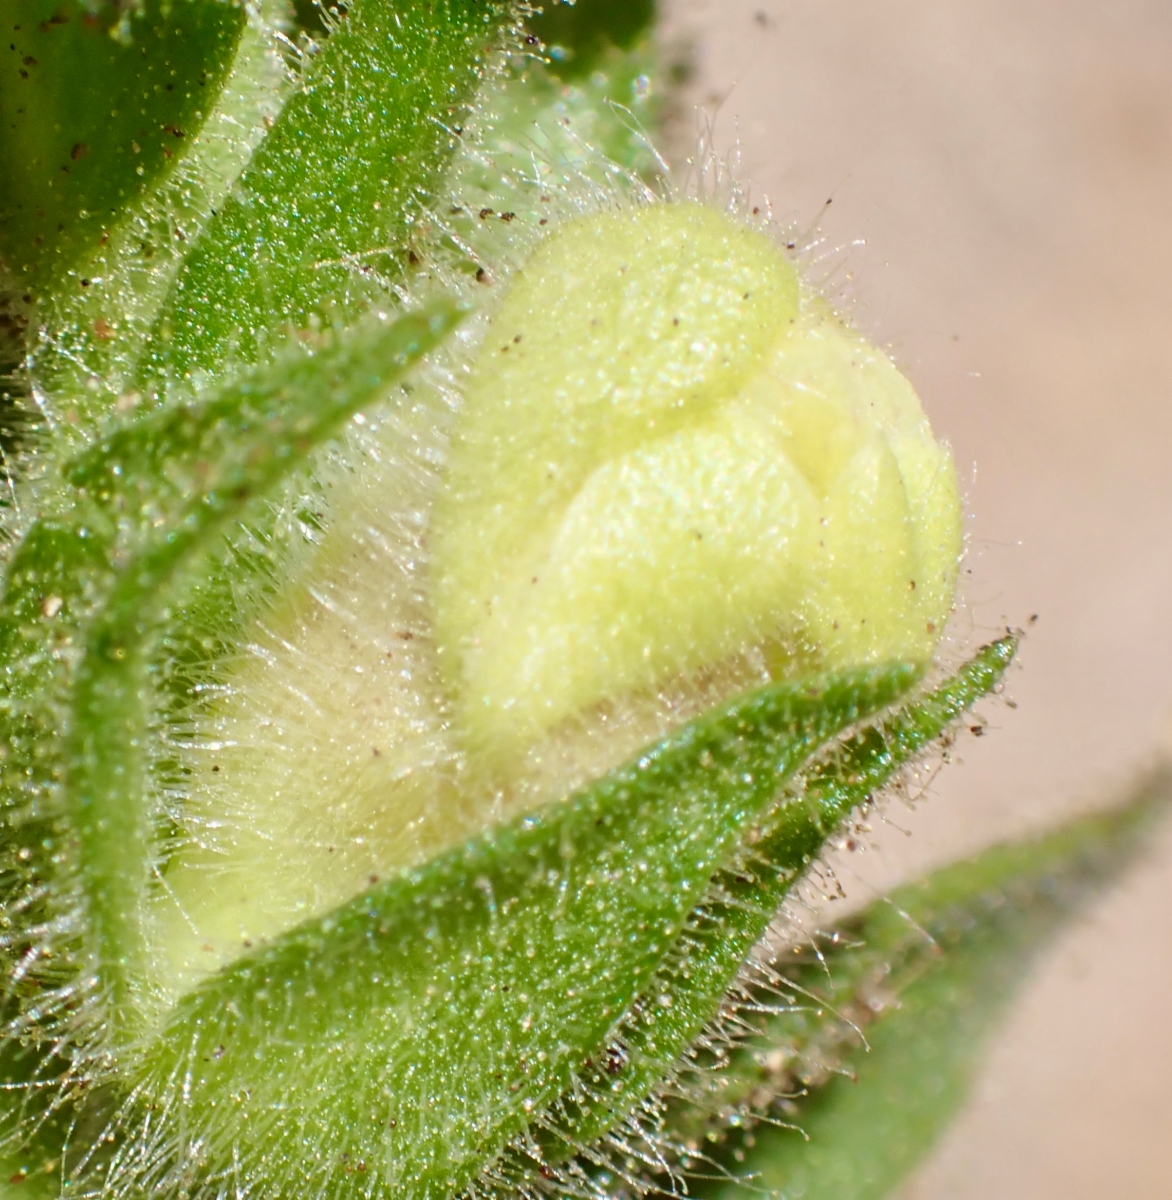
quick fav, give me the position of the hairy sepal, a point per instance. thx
(690, 987)
(874, 1040)
(415, 1030)
(83, 596)
(320, 223)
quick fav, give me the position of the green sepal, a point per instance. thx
(885, 1030)
(721, 932)
(87, 588)
(416, 1030)
(320, 223)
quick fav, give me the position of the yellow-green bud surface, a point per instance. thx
(669, 454)
(673, 474)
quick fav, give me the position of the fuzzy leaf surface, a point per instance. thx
(922, 976)
(724, 929)
(416, 1029)
(321, 219)
(88, 583)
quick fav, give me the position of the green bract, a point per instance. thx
(419, 1028)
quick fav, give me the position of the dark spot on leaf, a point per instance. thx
(616, 1059)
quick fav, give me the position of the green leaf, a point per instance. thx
(320, 222)
(897, 1009)
(95, 574)
(94, 105)
(92, 322)
(415, 1030)
(723, 930)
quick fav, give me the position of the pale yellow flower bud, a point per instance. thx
(668, 455)
(673, 472)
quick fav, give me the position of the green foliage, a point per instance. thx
(695, 976)
(89, 329)
(81, 846)
(446, 1006)
(337, 189)
(169, 504)
(109, 157)
(745, 899)
(878, 1037)
(94, 105)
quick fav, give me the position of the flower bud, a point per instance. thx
(674, 474)
(670, 455)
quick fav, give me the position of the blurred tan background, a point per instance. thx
(1009, 165)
